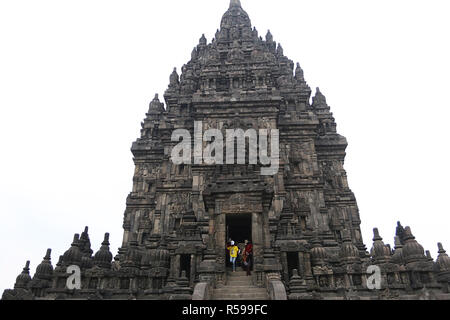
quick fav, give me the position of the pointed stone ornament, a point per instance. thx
(299, 75)
(235, 3)
(85, 243)
(269, 36)
(73, 255)
(380, 252)
(24, 278)
(280, 51)
(319, 100)
(318, 252)
(103, 257)
(44, 270)
(174, 79)
(443, 260)
(133, 255)
(400, 232)
(156, 107)
(349, 252)
(297, 284)
(412, 250)
(203, 40)
(397, 257)
(376, 235)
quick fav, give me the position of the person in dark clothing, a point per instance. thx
(247, 257)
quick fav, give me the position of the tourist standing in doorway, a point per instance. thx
(227, 250)
(234, 251)
(247, 256)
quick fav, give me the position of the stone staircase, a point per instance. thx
(240, 287)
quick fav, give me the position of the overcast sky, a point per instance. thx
(76, 78)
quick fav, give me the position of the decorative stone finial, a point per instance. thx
(269, 37)
(73, 255)
(441, 248)
(376, 235)
(85, 243)
(48, 254)
(412, 250)
(106, 239)
(280, 51)
(397, 257)
(380, 252)
(319, 100)
(174, 80)
(235, 3)
(400, 232)
(443, 260)
(203, 40)
(156, 107)
(24, 278)
(76, 238)
(299, 72)
(349, 253)
(297, 284)
(408, 234)
(44, 270)
(318, 253)
(103, 256)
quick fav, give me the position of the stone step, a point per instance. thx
(241, 290)
(244, 281)
(237, 288)
(237, 272)
(239, 283)
(240, 278)
(241, 296)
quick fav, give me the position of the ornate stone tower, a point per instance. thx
(303, 221)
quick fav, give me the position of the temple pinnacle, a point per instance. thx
(234, 3)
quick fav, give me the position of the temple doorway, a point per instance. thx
(238, 229)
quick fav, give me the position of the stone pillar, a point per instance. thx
(177, 266)
(220, 244)
(193, 269)
(211, 223)
(265, 227)
(284, 262)
(301, 264)
(307, 268)
(257, 239)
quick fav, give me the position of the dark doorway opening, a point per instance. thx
(292, 260)
(185, 265)
(238, 229)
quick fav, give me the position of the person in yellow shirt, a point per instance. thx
(234, 251)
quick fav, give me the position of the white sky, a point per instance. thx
(76, 78)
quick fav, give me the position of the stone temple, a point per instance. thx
(303, 221)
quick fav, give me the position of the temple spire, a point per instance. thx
(234, 3)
